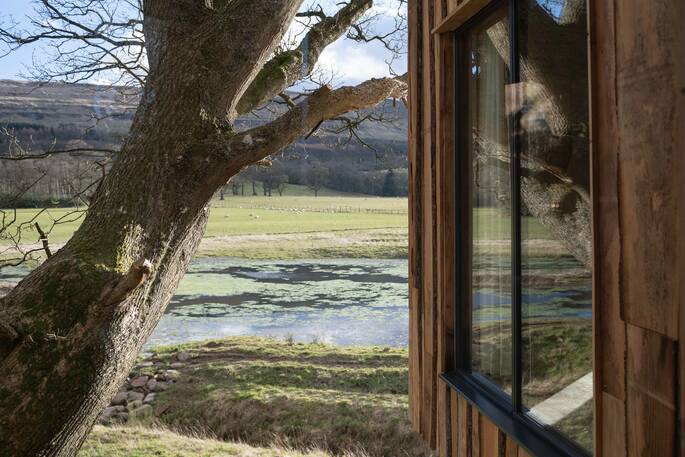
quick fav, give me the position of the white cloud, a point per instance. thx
(388, 8)
(353, 62)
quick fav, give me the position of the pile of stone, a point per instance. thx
(136, 398)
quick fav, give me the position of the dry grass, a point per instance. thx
(159, 442)
(258, 391)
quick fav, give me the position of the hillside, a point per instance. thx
(72, 108)
(58, 115)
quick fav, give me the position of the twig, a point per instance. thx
(44, 240)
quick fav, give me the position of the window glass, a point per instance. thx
(486, 53)
(556, 288)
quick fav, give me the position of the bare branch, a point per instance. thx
(252, 145)
(44, 240)
(98, 37)
(288, 67)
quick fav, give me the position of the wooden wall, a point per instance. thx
(637, 72)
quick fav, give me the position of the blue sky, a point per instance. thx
(12, 65)
(351, 62)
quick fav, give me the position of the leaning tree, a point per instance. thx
(70, 331)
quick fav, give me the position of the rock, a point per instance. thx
(151, 383)
(134, 396)
(142, 412)
(112, 410)
(140, 381)
(149, 398)
(145, 364)
(161, 409)
(120, 418)
(170, 375)
(120, 399)
(161, 386)
(182, 356)
(177, 365)
(135, 404)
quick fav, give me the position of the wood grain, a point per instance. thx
(613, 439)
(462, 13)
(645, 80)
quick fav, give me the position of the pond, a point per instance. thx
(341, 301)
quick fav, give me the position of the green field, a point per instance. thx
(289, 227)
(261, 215)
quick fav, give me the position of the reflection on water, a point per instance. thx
(346, 301)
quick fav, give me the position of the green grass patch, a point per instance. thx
(304, 396)
(157, 442)
(334, 226)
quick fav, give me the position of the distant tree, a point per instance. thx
(390, 188)
(316, 178)
(274, 178)
(238, 185)
(280, 187)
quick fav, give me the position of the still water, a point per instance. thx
(341, 301)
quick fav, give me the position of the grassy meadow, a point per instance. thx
(295, 226)
(257, 227)
(275, 397)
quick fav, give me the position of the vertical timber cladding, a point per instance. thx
(637, 74)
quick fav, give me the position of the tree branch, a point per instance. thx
(288, 67)
(255, 144)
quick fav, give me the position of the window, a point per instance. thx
(524, 313)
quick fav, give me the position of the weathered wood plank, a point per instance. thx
(511, 449)
(429, 417)
(462, 13)
(651, 393)
(609, 328)
(489, 438)
(613, 441)
(475, 433)
(415, 128)
(455, 423)
(451, 6)
(645, 78)
(446, 201)
(442, 346)
(651, 365)
(651, 426)
(443, 420)
(680, 169)
(465, 433)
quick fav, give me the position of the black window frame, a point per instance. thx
(507, 412)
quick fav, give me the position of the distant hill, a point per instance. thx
(102, 115)
(61, 115)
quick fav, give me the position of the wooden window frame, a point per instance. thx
(506, 412)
